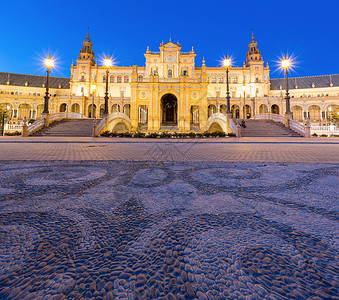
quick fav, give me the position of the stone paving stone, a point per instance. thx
(195, 228)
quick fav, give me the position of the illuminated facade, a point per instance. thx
(170, 92)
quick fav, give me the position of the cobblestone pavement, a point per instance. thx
(195, 150)
(167, 230)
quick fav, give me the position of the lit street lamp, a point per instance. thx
(285, 63)
(244, 109)
(49, 63)
(93, 87)
(227, 64)
(3, 120)
(108, 65)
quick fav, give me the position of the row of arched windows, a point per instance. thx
(221, 79)
(118, 79)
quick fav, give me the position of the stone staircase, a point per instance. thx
(68, 128)
(269, 128)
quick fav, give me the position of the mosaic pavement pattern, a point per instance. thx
(138, 230)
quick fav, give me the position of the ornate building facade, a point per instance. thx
(170, 91)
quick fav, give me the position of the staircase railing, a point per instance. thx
(38, 124)
(101, 125)
(232, 126)
(298, 127)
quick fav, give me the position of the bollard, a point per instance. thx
(95, 128)
(308, 129)
(24, 128)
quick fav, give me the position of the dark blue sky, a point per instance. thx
(309, 30)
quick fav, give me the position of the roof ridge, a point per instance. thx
(306, 76)
(33, 75)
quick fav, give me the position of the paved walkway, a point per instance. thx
(223, 149)
(219, 219)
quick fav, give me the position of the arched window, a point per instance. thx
(140, 78)
(235, 79)
(126, 78)
(214, 79)
(170, 73)
(104, 78)
(221, 79)
(119, 79)
(111, 79)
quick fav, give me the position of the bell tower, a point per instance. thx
(253, 53)
(84, 72)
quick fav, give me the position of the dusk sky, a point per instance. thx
(306, 29)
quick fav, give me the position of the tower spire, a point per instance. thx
(252, 34)
(88, 33)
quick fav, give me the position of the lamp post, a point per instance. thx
(244, 108)
(288, 114)
(49, 63)
(93, 87)
(108, 65)
(227, 64)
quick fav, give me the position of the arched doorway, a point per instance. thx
(314, 113)
(235, 111)
(63, 107)
(275, 109)
(263, 109)
(297, 112)
(169, 109)
(223, 109)
(90, 111)
(102, 109)
(248, 112)
(115, 108)
(75, 108)
(127, 109)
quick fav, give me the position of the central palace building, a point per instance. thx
(170, 92)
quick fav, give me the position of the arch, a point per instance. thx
(215, 127)
(275, 109)
(39, 110)
(314, 113)
(115, 108)
(169, 108)
(63, 107)
(127, 110)
(235, 79)
(223, 109)
(263, 109)
(90, 111)
(104, 78)
(213, 79)
(140, 78)
(297, 112)
(248, 112)
(75, 108)
(111, 78)
(235, 110)
(211, 110)
(24, 111)
(221, 79)
(119, 79)
(102, 109)
(115, 122)
(219, 122)
(195, 115)
(126, 79)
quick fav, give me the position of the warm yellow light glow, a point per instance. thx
(8, 107)
(285, 63)
(108, 62)
(93, 87)
(49, 62)
(227, 62)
